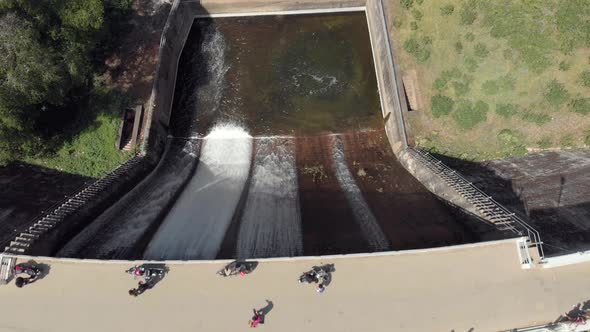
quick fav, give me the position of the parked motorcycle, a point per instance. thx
(235, 268)
(315, 275)
(32, 271)
(147, 272)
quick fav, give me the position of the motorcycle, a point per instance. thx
(315, 275)
(31, 270)
(147, 272)
(235, 268)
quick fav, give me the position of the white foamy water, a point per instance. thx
(361, 210)
(271, 222)
(196, 225)
(213, 49)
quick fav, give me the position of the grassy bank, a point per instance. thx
(496, 77)
(87, 146)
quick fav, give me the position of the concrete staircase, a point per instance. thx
(65, 208)
(487, 207)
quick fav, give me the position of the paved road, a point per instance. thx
(479, 288)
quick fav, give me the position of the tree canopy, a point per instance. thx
(49, 51)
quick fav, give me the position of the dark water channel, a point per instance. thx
(289, 156)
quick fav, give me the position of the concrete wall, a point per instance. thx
(393, 100)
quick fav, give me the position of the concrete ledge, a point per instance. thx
(289, 259)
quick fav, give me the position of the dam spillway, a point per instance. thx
(276, 148)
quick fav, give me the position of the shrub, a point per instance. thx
(536, 118)
(471, 64)
(507, 82)
(564, 65)
(461, 88)
(419, 2)
(469, 37)
(511, 142)
(468, 14)
(468, 116)
(567, 141)
(458, 47)
(440, 84)
(417, 14)
(506, 110)
(587, 139)
(544, 143)
(407, 4)
(418, 47)
(490, 87)
(585, 78)
(397, 23)
(581, 105)
(413, 25)
(481, 50)
(447, 10)
(507, 53)
(555, 93)
(441, 105)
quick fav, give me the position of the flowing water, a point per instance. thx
(290, 154)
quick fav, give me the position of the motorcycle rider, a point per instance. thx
(141, 287)
(31, 271)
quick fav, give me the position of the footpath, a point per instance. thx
(466, 288)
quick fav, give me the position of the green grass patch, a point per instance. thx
(490, 87)
(407, 4)
(585, 78)
(545, 143)
(587, 138)
(447, 10)
(565, 66)
(581, 105)
(481, 50)
(511, 142)
(471, 64)
(567, 140)
(417, 14)
(469, 37)
(536, 118)
(458, 47)
(555, 93)
(468, 13)
(419, 47)
(461, 88)
(506, 110)
(441, 105)
(468, 115)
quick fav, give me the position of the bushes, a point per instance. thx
(585, 78)
(545, 143)
(458, 47)
(468, 115)
(536, 118)
(506, 110)
(441, 105)
(587, 138)
(407, 4)
(417, 14)
(581, 105)
(461, 88)
(413, 25)
(447, 10)
(469, 37)
(490, 87)
(555, 93)
(471, 64)
(481, 50)
(511, 142)
(468, 13)
(418, 47)
(565, 66)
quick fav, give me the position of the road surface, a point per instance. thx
(466, 288)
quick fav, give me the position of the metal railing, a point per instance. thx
(59, 211)
(495, 212)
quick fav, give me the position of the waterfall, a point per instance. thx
(271, 222)
(197, 223)
(361, 210)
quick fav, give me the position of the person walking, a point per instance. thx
(256, 319)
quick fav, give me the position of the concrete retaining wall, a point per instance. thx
(393, 99)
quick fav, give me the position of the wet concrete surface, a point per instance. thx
(550, 190)
(27, 191)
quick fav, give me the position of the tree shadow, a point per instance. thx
(547, 190)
